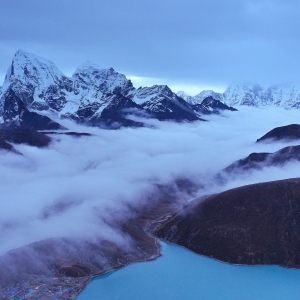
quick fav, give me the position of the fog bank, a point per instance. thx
(72, 188)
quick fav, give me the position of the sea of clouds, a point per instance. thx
(72, 187)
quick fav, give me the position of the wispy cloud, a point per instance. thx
(70, 188)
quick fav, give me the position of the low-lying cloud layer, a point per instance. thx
(71, 188)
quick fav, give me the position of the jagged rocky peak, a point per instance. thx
(144, 94)
(15, 114)
(36, 81)
(163, 104)
(215, 104)
(155, 89)
(200, 97)
(90, 77)
(286, 95)
(243, 94)
(206, 94)
(33, 68)
(211, 106)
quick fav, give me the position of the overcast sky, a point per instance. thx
(188, 44)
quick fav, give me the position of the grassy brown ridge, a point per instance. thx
(257, 224)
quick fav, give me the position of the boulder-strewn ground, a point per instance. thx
(257, 224)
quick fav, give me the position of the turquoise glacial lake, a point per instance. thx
(183, 275)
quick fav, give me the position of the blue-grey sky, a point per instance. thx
(188, 44)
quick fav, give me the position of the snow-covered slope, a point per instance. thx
(164, 104)
(251, 94)
(205, 94)
(283, 95)
(91, 86)
(205, 103)
(280, 95)
(90, 82)
(186, 97)
(200, 97)
(37, 82)
(211, 106)
(93, 94)
(242, 94)
(43, 87)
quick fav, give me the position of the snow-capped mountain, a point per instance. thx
(211, 106)
(283, 95)
(200, 97)
(243, 94)
(91, 87)
(16, 114)
(42, 87)
(161, 102)
(37, 82)
(91, 82)
(91, 95)
(280, 95)
(205, 103)
(205, 94)
(186, 97)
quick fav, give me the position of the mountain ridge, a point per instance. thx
(84, 96)
(285, 95)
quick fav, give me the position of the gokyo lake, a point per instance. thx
(181, 274)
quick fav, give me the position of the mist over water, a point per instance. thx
(73, 187)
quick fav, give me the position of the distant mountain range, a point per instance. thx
(282, 95)
(34, 86)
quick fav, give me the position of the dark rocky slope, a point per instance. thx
(161, 103)
(16, 114)
(114, 115)
(257, 224)
(70, 133)
(257, 161)
(7, 147)
(25, 136)
(289, 132)
(211, 106)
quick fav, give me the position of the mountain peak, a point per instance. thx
(182, 94)
(32, 77)
(161, 88)
(22, 57)
(20, 52)
(89, 66)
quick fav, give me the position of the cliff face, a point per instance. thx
(255, 225)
